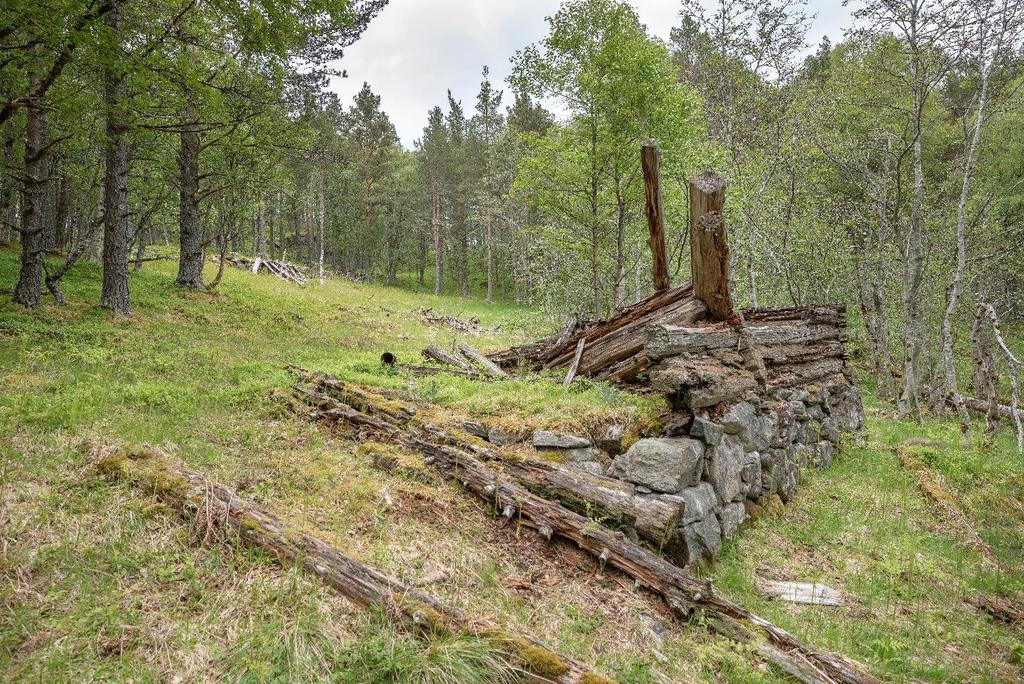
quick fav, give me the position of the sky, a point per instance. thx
(415, 50)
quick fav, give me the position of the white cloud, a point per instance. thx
(415, 50)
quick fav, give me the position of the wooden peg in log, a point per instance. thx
(709, 245)
(650, 159)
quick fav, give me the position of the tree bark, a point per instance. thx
(28, 290)
(190, 258)
(8, 201)
(490, 256)
(117, 235)
(651, 161)
(956, 285)
(435, 223)
(323, 224)
(709, 246)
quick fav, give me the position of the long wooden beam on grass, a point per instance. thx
(209, 503)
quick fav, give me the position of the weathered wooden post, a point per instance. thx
(709, 245)
(650, 159)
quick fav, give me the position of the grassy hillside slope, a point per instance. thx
(98, 582)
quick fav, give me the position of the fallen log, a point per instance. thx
(664, 341)
(489, 366)
(571, 375)
(684, 593)
(983, 407)
(206, 502)
(700, 381)
(443, 357)
(808, 373)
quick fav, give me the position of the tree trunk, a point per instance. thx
(913, 267)
(8, 202)
(651, 161)
(955, 288)
(323, 224)
(709, 246)
(438, 241)
(190, 259)
(490, 256)
(261, 228)
(29, 289)
(117, 235)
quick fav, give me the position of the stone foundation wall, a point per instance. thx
(730, 466)
(725, 464)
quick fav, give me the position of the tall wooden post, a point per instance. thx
(709, 245)
(650, 159)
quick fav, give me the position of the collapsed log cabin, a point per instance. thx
(754, 397)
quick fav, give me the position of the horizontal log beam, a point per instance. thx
(201, 499)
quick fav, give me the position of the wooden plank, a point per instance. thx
(650, 159)
(575, 363)
(802, 592)
(489, 366)
(709, 245)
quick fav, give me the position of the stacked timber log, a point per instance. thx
(770, 349)
(293, 273)
(613, 349)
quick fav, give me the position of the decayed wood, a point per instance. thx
(802, 592)
(650, 159)
(682, 592)
(281, 269)
(809, 373)
(571, 375)
(700, 381)
(443, 357)
(627, 337)
(664, 341)
(614, 347)
(709, 246)
(207, 502)
(1003, 609)
(489, 366)
(985, 407)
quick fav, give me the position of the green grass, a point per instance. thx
(98, 583)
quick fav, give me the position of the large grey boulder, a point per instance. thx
(808, 432)
(731, 517)
(703, 540)
(847, 408)
(742, 420)
(699, 502)
(824, 454)
(610, 439)
(663, 464)
(501, 437)
(725, 467)
(779, 475)
(707, 431)
(751, 475)
(830, 430)
(543, 439)
(474, 428)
